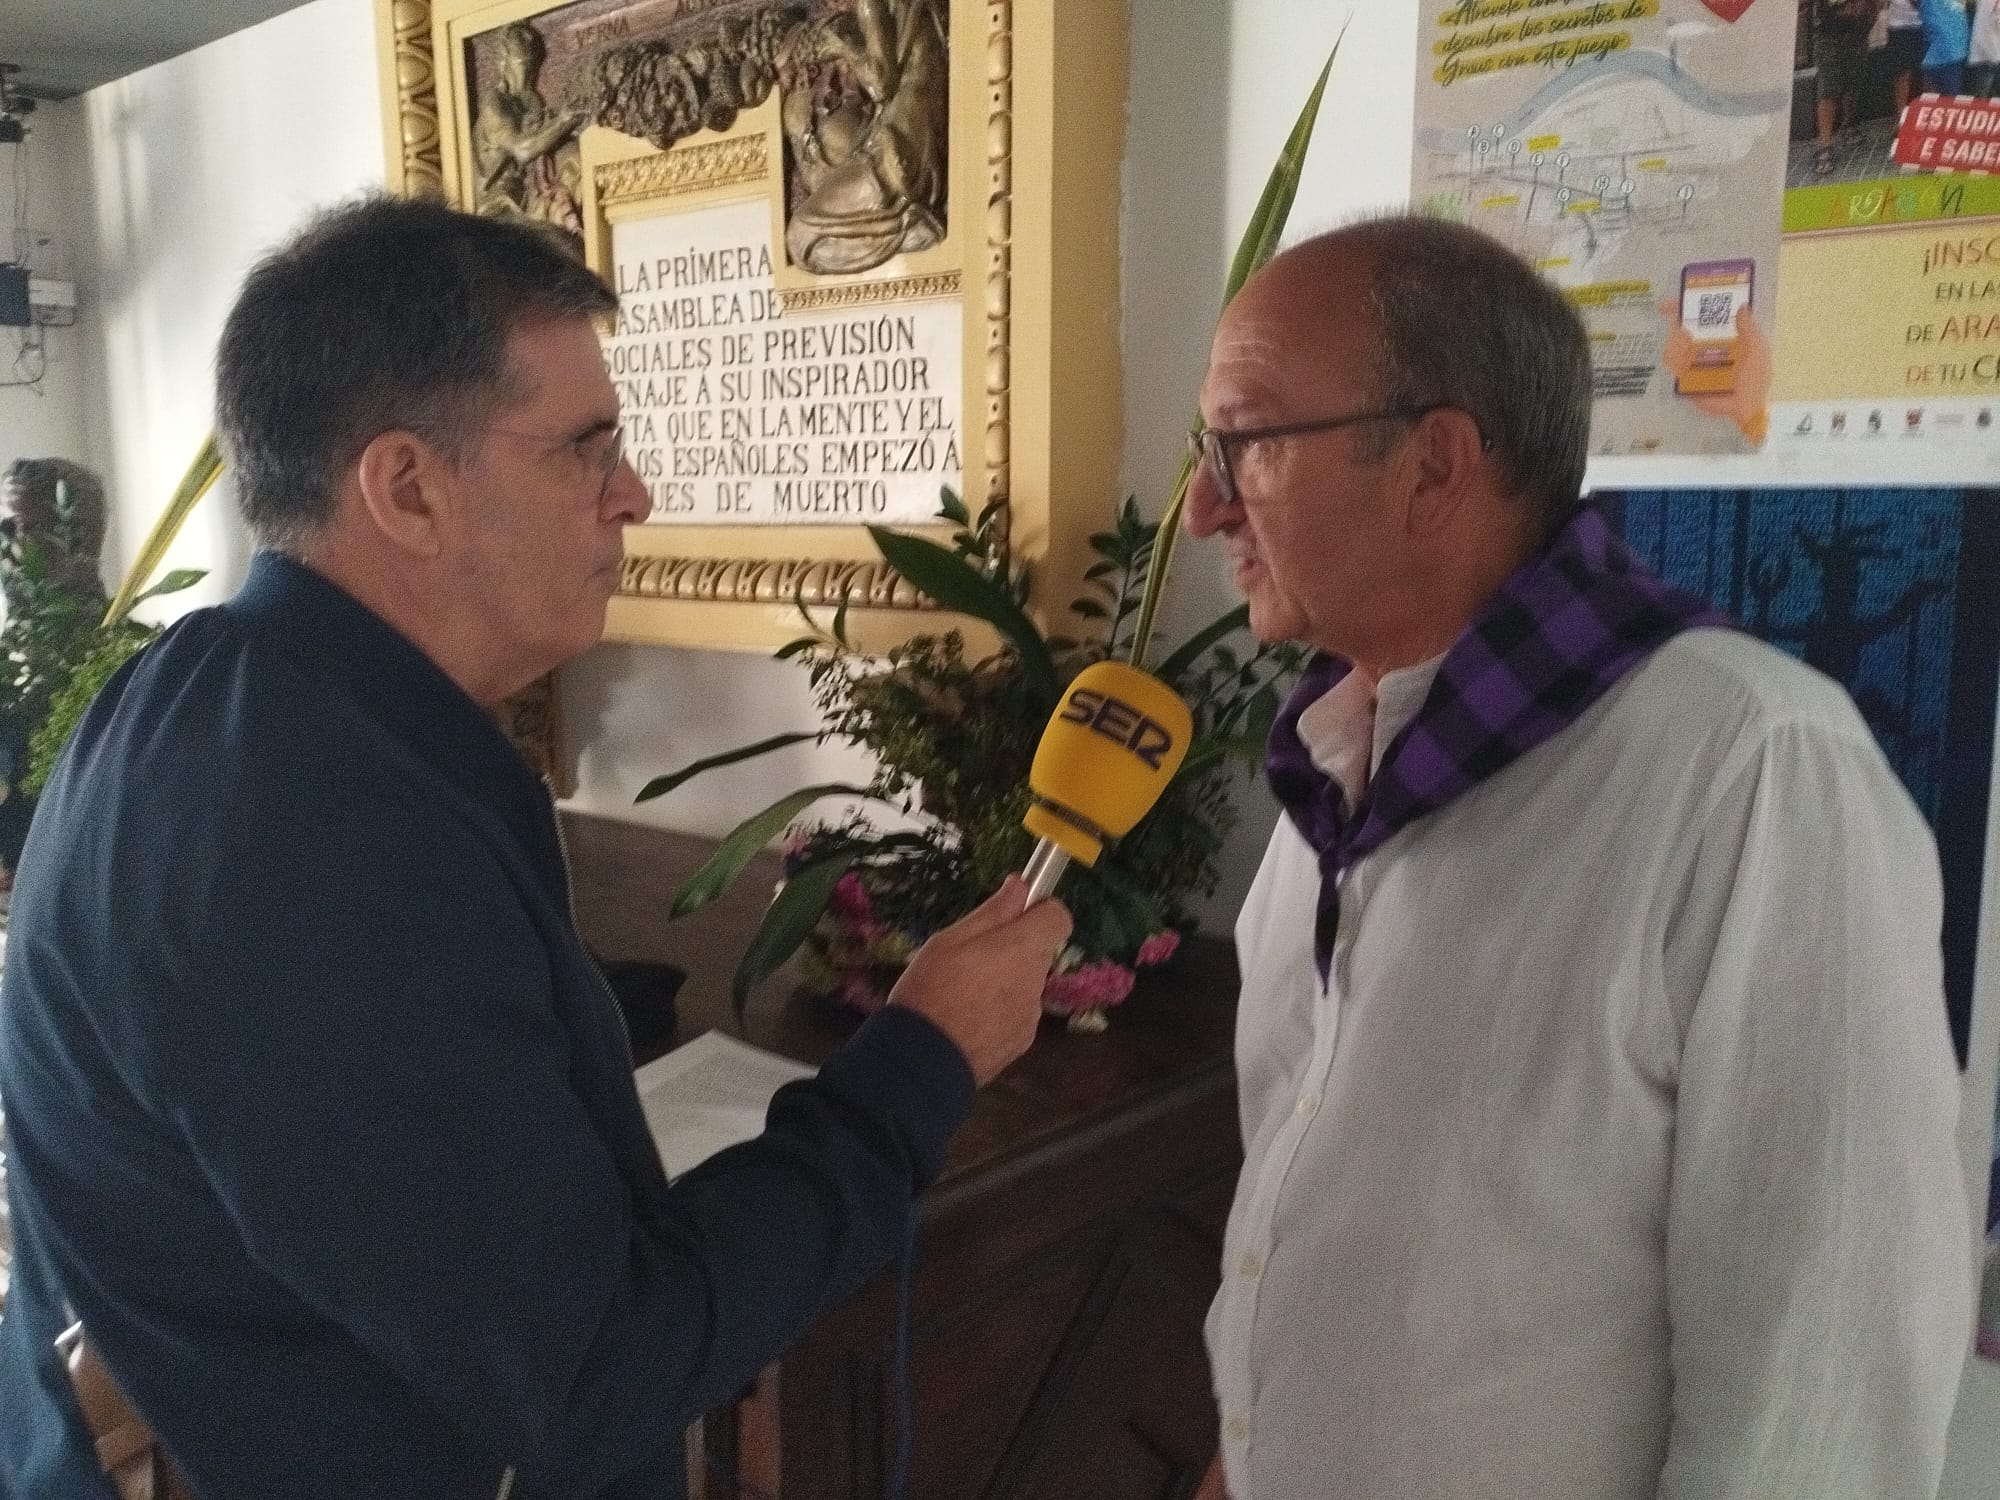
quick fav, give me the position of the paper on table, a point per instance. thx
(710, 1094)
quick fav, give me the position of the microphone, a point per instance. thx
(1112, 745)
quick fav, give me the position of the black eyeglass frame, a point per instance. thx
(1210, 445)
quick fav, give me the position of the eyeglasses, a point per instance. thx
(1210, 445)
(599, 451)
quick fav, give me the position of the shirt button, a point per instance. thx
(1237, 1429)
(1308, 1106)
(1251, 1265)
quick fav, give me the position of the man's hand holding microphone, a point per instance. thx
(979, 981)
(1113, 744)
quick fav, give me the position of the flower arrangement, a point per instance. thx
(952, 737)
(855, 958)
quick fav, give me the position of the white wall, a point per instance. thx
(196, 167)
(46, 419)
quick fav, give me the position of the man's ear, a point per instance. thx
(1446, 455)
(407, 490)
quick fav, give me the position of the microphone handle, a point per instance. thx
(1045, 867)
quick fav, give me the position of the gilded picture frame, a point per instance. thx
(1024, 249)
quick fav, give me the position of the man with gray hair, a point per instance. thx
(320, 1117)
(1597, 1097)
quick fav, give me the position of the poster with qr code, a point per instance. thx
(1632, 151)
(1888, 345)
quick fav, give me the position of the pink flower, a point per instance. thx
(1157, 949)
(850, 899)
(1087, 988)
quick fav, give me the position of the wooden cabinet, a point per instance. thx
(1065, 1259)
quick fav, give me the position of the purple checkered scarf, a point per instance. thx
(1557, 634)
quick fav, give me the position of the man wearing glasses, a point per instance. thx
(1597, 1097)
(320, 1118)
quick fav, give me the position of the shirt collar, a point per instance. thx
(1348, 729)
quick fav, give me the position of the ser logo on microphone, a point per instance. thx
(1119, 722)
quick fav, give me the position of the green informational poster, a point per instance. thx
(1889, 282)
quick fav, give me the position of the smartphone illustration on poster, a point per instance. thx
(1712, 291)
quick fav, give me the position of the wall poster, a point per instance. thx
(1630, 149)
(1889, 313)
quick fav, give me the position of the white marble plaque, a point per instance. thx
(737, 413)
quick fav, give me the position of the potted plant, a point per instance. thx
(61, 639)
(952, 737)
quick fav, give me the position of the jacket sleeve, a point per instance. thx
(375, 1078)
(1818, 1237)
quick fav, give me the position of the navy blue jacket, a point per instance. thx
(321, 1118)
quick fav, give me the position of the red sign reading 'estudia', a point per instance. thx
(1950, 133)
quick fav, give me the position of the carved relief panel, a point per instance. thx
(843, 247)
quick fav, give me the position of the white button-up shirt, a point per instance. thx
(1615, 1158)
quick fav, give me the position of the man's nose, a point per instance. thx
(1205, 512)
(626, 498)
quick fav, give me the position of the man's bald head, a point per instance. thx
(1458, 320)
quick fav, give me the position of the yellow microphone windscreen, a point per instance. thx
(1112, 745)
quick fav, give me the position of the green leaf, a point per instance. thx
(1262, 713)
(173, 583)
(955, 586)
(1132, 914)
(1209, 755)
(748, 839)
(799, 604)
(840, 618)
(1249, 749)
(1274, 207)
(69, 704)
(1109, 931)
(792, 914)
(1192, 648)
(952, 508)
(792, 648)
(659, 786)
(194, 484)
(1090, 609)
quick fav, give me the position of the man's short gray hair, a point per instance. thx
(1463, 321)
